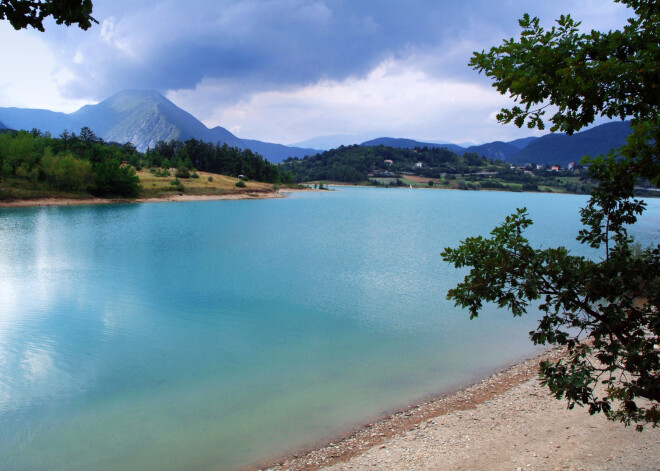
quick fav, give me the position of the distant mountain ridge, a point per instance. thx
(145, 117)
(400, 143)
(493, 150)
(142, 118)
(498, 150)
(551, 149)
(562, 148)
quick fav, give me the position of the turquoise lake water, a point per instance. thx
(212, 335)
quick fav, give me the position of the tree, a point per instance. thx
(66, 171)
(603, 312)
(111, 179)
(32, 13)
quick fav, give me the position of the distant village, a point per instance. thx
(572, 169)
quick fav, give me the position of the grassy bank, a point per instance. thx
(153, 187)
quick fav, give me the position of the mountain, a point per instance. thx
(332, 141)
(144, 118)
(497, 150)
(562, 148)
(399, 143)
(28, 119)
(277, 152)
(549, 149)
(523, 142)
(141, 118)
(2, 126)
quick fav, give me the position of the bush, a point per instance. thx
(194, 175)
(209, 179)
(240, 184)
(178, 186)
(430, 182)
(492, 184)
(182, 172)
(530, 187)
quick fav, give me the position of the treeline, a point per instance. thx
(216, 158)
(85, 163)
(71, 163)
(354, 163)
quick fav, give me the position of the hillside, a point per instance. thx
(28, 119)
(562, 149)
(142, 118)
(549, 149)
(276, 152)
(522, 142)
(497, 150)
(84, 165)
(399, 143)
(356, 163)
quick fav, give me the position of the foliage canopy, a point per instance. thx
(604, 312)
(32, 13)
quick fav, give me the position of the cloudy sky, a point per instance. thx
(289, 70)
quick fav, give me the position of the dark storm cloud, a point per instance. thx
(257, 45)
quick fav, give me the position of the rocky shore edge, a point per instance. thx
(376, 433)
(507, 421)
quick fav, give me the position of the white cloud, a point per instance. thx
(31, 76)
(113, 36)
(394, 99)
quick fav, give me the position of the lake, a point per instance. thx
(215, 334)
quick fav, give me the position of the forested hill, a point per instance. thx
(355, 163)
(561, 148)
(410, 144)
(551, 149)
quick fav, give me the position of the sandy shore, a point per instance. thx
(505, 422)
(21, 203)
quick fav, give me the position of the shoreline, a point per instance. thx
(55, 201)
(506, 421)
(360, 439)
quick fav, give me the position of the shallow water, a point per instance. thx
(214, 334)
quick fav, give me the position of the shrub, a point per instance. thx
(182, 172)
(530, 187)
(194, 175)
(210, 178)
(240, 184)
(178, 186)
